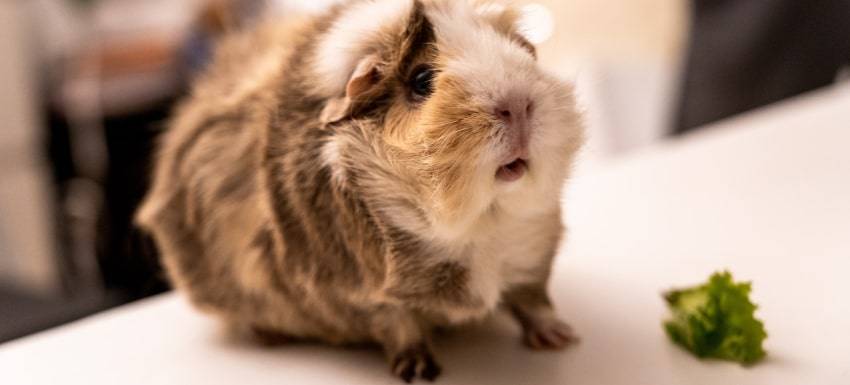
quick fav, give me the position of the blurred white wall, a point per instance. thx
(26, 233)
(626, 58)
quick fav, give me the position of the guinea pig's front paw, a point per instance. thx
(548, 333)
(415, 361)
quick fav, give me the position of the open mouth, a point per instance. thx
(512, 171)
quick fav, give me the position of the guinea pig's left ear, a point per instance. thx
(364, 78)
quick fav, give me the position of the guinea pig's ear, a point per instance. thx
(364, 78)
(522, 41)
(507, 20)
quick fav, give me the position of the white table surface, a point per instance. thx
(766, 195)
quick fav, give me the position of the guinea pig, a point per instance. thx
(368, 175)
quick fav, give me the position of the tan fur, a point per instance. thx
(375, 224)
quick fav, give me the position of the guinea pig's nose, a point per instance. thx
(514, 112)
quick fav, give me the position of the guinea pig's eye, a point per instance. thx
(422, 81)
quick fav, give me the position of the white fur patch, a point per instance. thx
(348, 40)
(506, 251)
(332, 158)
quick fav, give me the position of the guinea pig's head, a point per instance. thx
(454, 96)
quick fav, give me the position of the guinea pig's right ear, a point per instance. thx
(509, 21)
(365, 77)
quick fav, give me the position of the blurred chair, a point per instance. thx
(745, 54)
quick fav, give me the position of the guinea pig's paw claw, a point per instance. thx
(549, 334)
(416, 361)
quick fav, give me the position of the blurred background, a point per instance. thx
(87, 85)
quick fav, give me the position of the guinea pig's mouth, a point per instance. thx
(512, 171)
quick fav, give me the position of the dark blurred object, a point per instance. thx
(127, 259)
(748, 53)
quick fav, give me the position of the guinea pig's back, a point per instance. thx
(207, 173)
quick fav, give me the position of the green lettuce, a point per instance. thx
(716, 320)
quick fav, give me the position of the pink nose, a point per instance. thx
(515, 113)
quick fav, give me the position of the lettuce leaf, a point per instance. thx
(716, 320)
